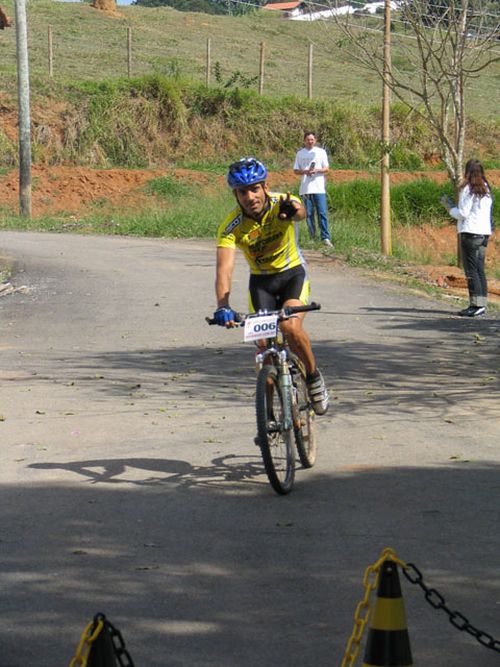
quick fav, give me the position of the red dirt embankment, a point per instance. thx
(74, 190)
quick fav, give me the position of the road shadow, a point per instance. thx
(231, 467)
(432, 320)
(198, 568)
(411, 359)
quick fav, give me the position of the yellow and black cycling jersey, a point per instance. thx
(270, 245)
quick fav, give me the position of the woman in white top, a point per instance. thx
(474, 226)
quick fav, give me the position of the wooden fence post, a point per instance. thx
(129, 51)
(309, 73)
(51, 53)
(261, 69)
(208, 62)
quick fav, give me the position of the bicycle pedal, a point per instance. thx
(273, 427)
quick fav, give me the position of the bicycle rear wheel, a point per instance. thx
(304, 430)
(276, 443)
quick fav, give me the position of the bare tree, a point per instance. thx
(447, 44)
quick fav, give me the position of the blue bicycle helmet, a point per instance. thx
(246, 171)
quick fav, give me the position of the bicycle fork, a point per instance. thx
(285, 381)
(287, 388)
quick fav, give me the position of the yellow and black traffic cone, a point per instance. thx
(102, 652)
(388, 642)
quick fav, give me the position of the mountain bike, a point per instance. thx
(285, 418)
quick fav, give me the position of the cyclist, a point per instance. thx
(264, 226)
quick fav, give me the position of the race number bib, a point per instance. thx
(263, 326)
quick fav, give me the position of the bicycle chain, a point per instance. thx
(437, 601)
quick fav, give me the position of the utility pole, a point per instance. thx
(385, 201)
(23, 90)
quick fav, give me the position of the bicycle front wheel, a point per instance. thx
(304, 430)
(275, 441)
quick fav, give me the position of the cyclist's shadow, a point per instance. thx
(223, 469)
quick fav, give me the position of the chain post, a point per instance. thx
(433, 597)
(89, 636)
(370, 583)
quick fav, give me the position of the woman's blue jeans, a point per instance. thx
(317, 202)
(473, 248)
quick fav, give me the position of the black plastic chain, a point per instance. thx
(458, 620)
(120, 651)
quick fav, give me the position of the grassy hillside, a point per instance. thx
(89, 44)
(91, 113)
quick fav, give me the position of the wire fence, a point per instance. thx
(57, 54)
(211, 70)
(313, 66)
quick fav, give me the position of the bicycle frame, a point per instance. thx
(278, 354)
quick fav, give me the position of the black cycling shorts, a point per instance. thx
(270, 291)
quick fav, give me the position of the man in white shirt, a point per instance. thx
(311, 163)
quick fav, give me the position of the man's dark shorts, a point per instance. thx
(271, 291)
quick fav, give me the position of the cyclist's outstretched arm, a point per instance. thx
(224, 316)
(224, 275)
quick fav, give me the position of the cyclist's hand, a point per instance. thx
(288, 208)
(226, 317)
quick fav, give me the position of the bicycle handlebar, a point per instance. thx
(282, 313)
(290, 310)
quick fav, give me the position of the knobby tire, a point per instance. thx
(277, 445)
(304, 426)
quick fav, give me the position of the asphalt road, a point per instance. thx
(130, 483)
